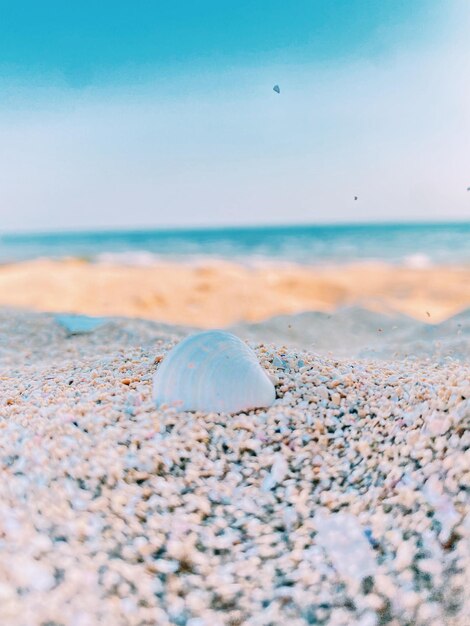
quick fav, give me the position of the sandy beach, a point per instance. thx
(344, 503)
(222, 293)
(235, 314)
(114, 512)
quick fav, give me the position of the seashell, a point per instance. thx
(212, 371)
(79, 324)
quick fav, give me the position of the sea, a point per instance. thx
(415, 245)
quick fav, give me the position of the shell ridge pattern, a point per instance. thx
(212, 371)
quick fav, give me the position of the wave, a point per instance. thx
(415, 245)
(418, 261)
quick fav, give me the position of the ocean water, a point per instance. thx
(416, 245)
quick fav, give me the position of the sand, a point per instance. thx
(346, 503)
(355, 332)
(220, 293)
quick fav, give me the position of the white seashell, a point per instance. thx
(212, 371)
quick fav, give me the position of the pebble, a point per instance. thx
(278, 472)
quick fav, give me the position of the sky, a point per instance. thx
(162, 113)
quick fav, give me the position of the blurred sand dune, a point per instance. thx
(223, 293)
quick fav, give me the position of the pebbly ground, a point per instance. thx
(346, 503)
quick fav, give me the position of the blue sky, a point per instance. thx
(152, 113)
(87, 42)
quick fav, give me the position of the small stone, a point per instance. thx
(279, 363)
(404, 556)
(277, 474)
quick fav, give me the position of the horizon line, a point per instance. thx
(108, 230)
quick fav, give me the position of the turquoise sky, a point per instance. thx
(151, 113)
(87, 42)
